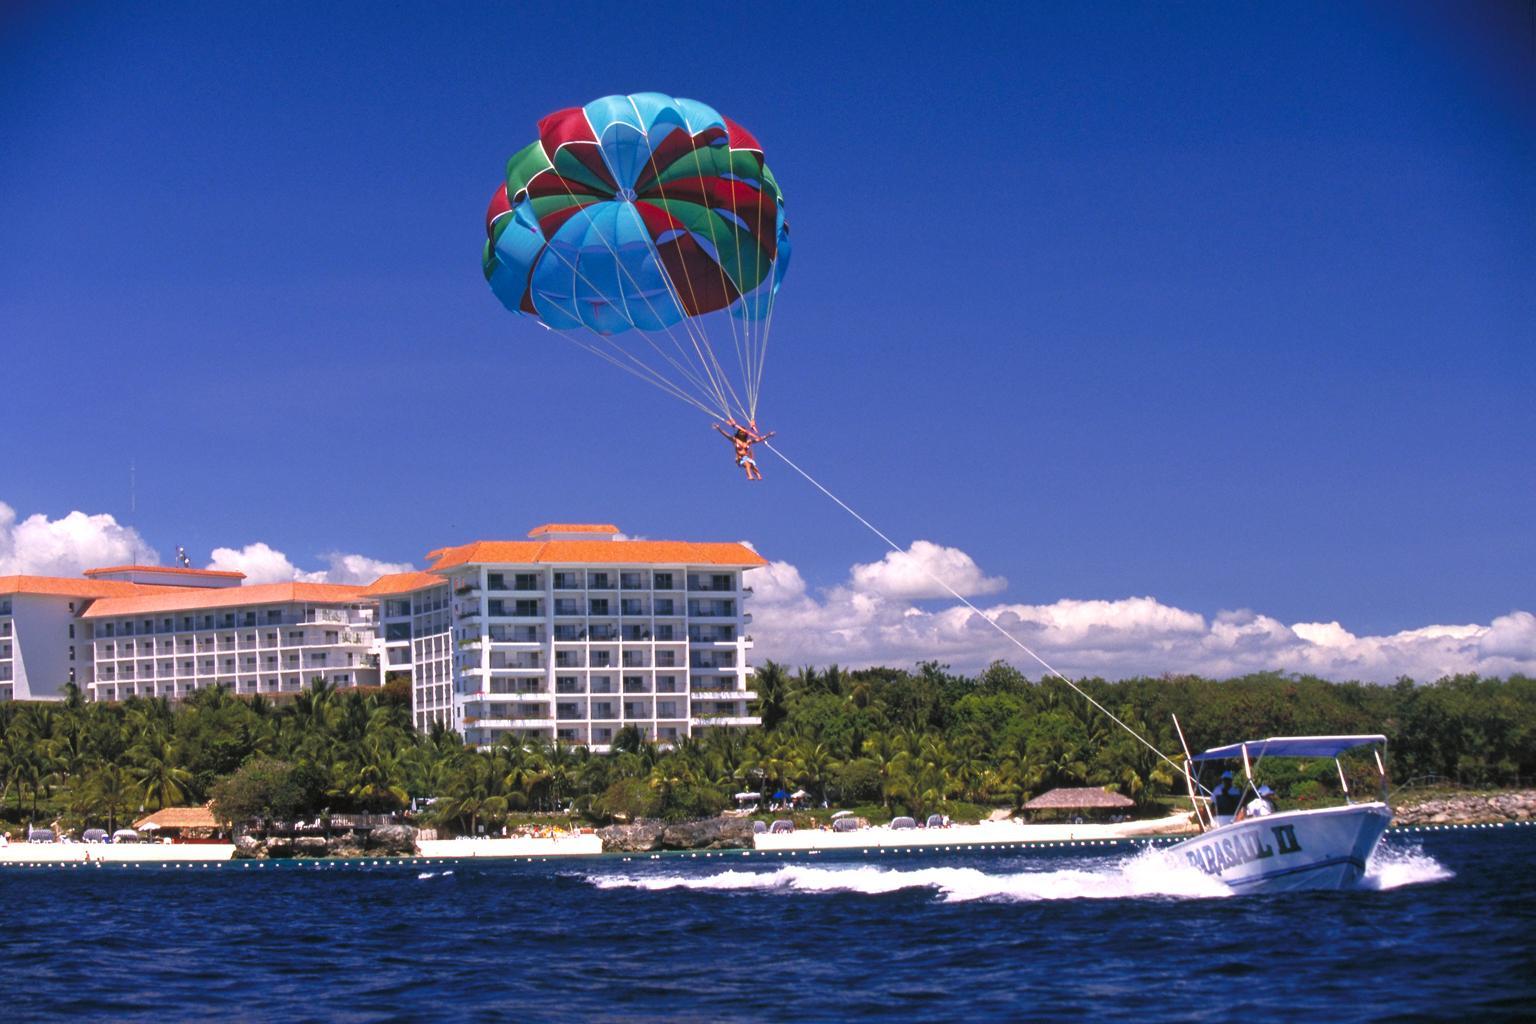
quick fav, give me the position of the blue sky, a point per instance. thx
(1226, 305)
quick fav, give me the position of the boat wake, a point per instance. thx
(1392, 867)
(1147, 874)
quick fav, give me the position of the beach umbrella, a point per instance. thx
(799, 794)
(749, 796)
(781, 795)
(840, 814)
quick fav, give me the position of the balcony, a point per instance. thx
(706, 721)
(723, 694)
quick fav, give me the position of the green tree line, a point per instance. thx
(894, 741)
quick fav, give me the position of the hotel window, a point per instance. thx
(599, 606)
(664, 581)
(527, 581)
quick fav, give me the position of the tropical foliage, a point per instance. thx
(893, 741)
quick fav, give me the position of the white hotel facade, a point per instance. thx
(571, 634)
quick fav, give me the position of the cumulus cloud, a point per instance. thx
(360, 569)
(68, 545)
(918, 571)
(263, 563)
(873, 620)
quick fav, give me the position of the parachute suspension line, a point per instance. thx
(688, 373)
(986, 618)
(717, 378)
(707, 358)
(720, 264)
(767, 326)
(586, 211)
(643, 372)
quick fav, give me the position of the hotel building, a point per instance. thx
(571, 634)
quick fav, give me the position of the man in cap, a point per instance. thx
(1226, 798)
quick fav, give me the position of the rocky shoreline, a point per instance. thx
(1471, 809)
(383, 841)
(646, 835)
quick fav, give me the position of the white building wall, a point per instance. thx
(578, 652)
(271, 648)
(40, 643)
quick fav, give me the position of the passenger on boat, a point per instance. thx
(1226, 799)
(1259, 805)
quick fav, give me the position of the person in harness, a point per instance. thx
(742, 439)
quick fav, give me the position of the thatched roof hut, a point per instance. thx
(180, 823)
(1070, 798)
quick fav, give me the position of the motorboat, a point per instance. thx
(1266, 850)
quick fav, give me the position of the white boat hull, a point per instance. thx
(1322, 849)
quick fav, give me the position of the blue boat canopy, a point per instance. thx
(1290, 746)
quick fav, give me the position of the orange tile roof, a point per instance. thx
(401, 583)
(166, 568)
(175, 599)
(66, 586)
(598, 552)
(548, 528)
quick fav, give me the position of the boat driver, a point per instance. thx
(1226, 798)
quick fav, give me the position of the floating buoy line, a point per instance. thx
(865, 851)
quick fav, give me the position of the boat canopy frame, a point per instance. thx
(1251, 752)
(1290, 746)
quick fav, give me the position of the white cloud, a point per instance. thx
(69, 545)
(263, 563)
(360, 569)
(873, 620)
(916, 573)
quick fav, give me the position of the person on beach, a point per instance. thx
(742, 439)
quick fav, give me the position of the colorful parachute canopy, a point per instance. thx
(645, 213)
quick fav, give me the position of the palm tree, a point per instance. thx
(889, 757)
(110, 788)
(158, 774)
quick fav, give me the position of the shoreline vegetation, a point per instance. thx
(879, 742)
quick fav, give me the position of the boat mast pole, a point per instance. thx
(1189, 779)
(1343, 782)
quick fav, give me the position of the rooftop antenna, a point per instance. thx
(133, 504)
(181, 556)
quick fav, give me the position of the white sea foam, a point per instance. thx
(1148, 873)
(1392, 867)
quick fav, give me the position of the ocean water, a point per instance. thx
(1444, 927)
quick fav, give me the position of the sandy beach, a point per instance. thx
(985, 833)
